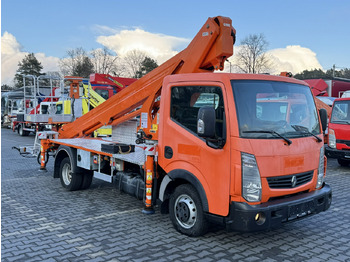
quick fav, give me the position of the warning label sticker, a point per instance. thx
(144, 120)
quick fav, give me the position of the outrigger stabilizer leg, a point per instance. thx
(43, 150)
(149, 180)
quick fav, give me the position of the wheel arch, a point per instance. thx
(63, 152)
(178, 177)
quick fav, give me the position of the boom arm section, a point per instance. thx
(207, 52)
(93, 98)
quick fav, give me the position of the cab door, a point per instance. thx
(181, 149)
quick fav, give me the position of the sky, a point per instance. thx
(301, 34)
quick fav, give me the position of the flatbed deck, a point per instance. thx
(94, 145)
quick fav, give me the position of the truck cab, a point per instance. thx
(105, 91)
(246, 164)
(339, 132)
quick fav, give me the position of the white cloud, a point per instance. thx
(294, 58)
(102, 29)
(158, 46)
(12, 53)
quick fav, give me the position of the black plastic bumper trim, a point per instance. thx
(336, 153)
(272, 214)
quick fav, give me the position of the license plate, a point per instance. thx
(300, 210)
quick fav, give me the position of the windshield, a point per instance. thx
(103, 93)
(269, 109)
(341, 112)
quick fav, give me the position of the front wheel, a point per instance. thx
(186, 211)
(69, 179)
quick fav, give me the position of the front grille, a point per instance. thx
(339, 141)
(290, 181)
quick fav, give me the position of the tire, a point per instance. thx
(22, 132)
(344, 162)
(186, 211)
(87, 180)
(69, 180)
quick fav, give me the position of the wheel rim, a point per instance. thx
(185, 211)
(66, 174)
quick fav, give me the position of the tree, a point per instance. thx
(252, 58)
(28, 66)
(343, 73)
(319, 73)
(147, 65)
(77, 63)
(132, 62)
(84, 69)
(311, 74)
(346, 73)
(104, 61)
(5, 87)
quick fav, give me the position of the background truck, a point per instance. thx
(339, 132)
(41, 97)
(194, 143)
(107, 86)
(11, 105)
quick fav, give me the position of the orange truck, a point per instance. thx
(195, 143)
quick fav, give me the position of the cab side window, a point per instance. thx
(186, 101)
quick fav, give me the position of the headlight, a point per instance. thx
(320, 171)
(331, 139)
(251, 183)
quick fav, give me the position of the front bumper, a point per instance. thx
(336, 153)
(243, 217)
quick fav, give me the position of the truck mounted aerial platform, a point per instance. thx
(200, 145)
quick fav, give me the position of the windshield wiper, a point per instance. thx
(269, 132)
(304, 130)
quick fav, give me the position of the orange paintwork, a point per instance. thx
(219, 170)
(320, 104)
(207, 52)
(74, 86)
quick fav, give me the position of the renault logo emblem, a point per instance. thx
(294, 181)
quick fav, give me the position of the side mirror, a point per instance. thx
(206, 121)
(323, 117)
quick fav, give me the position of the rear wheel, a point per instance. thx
(87, 180)
(69, 179)
(22, 132)
(344, 162)
(186, 211)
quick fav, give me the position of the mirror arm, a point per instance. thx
(215, 143)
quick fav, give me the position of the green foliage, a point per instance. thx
(147, 65)
(6, 87)
(84, 69)
(318, 73)
(311, 74)
(28, 66)
(76, 63)
(343, 73)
